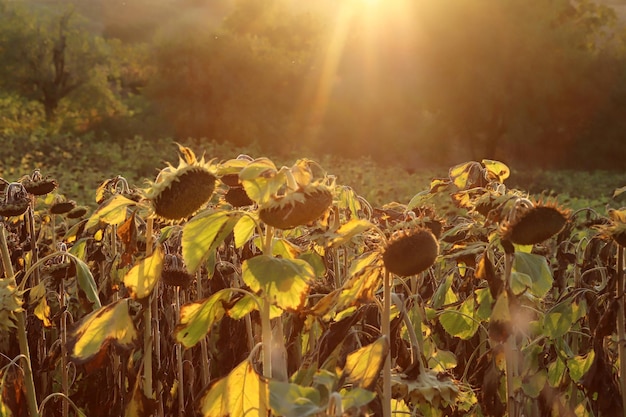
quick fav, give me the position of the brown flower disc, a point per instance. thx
(232, 180)
(62, 207)
(409, 253)
(77, 212)
(16, 208)
(185, 195)
(297, 213)
(176, 277)
(536, 225)
(41, 187)
(237, 197)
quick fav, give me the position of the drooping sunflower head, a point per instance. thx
(15, 201)
(297, 208)
(174, 273)
(62, 206)
(531, 223)
(37, 184)
(616, 227)
(178, 192)
(410, 251)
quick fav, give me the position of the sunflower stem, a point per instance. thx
(31, 395)
(510, 348)
(621, 335)
(147, 319)
(386, 331)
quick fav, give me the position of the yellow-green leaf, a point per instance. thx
(363, 366)
(537, 268)
(461, 323)
(142, 278)
(284, 281)
(292, 400)
(86, 282)
(350, 229)
(558, 320)
(242, 393)
(197, 318)
(204, 233)
(42, 309)
(244, 230)
(579, 365)
(466, 174)
(496, 170)
(111, 212)
(95, 331)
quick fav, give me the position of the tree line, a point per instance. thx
(533, 83)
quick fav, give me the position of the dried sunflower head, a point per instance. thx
(297, 208)
(411, 251)
(237, 197)
(178, 192)
(616, 227)
(62, 207)
(77, 212)
(15, 201)
(36, 184)
(532, 223)
(174, 273)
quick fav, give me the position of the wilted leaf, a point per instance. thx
(292, 400)
(537, 268)
(356, 398)
(111, 212)
(242, 393)
(461, 323)
(95, 331)
(558, 320)
(363, 366)
(127, 232)
(579, 365)
(283, 248)
(533, 385)
(348, 230)
(466, 175)
(619, 191)
(285, 281)
(197, 318)
(42, 309)
(496, 170)
(204, 233)
(142, 278)
(86, 282)
(360, 288)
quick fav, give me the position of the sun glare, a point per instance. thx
(370, 27)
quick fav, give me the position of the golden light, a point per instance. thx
(361, 34)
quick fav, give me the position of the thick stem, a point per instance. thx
(621, 336)
(179, 358)
(31, 395)
(266, 335)
(147, 320)
(64, 378)
(510, 349)
(386, 331)
(204, 363)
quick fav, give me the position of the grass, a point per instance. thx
(80, 165)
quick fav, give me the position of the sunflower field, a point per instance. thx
(242, 287)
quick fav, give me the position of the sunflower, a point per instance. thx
(36, 184)
(297, 208)
(178, 192)
(531, 223)
(410, 251)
